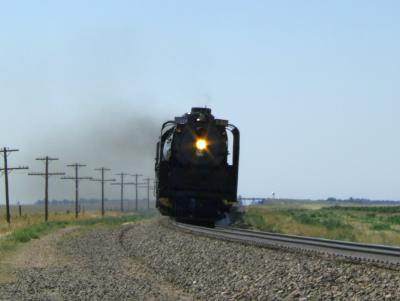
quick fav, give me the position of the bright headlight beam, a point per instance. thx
(201, 144)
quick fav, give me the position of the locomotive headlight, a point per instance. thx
(201, 144)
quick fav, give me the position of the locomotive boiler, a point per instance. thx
(197, 164)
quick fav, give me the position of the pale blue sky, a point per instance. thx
(314, 87)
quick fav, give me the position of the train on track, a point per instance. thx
(197, 164)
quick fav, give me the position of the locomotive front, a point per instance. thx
(194, 178)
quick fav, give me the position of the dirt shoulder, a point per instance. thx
(38, 253)
(82, 264)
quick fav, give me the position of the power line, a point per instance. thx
(5, 151)
(46, 175)
(122, 184)
(76, 178)
(102, 180)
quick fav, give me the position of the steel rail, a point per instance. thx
(358, 251)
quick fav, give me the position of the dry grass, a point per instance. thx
(359, 225)
(33, 214)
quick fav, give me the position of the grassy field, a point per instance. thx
(370, 224)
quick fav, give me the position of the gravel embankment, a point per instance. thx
(89, 267)
(149, 261)
(218, 270)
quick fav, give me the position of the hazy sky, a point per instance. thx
(314, 87)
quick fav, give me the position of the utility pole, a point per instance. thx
(154, 187)
(5, 151)
(148, 191)
(102, 180)
(122, 184)
(76, 178)
(46, 175)
(136, 189)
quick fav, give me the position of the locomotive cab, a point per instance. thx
(194, 178)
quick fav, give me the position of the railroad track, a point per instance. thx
(356, 251)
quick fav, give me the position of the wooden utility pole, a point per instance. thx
(6, 170)
(76, 178)
(148, 190)
(154, 187)
(102, 180)
(122, 184)
(46, 175)
(136, 189)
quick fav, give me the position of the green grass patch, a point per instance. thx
(375, 209)
(319, 217)
(10, 242)
(114, 221)
(258, 222)
(380, 227)
(35, 231)
(393, 219)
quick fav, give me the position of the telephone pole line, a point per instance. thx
(46, 175)
(102, 180)
(6, 170)
(122, 184)
(136, 189)
(76, 178)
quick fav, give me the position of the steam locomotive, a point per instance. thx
(197, 166)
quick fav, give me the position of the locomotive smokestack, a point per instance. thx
(201, 110)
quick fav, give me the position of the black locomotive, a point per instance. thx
(194, 178)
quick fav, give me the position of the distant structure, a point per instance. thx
(250, 200)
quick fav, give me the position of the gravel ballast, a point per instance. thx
(92, 266)
(219, 270)
(152, 261)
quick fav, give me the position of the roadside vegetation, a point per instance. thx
(28, 227)
(34, 214)
(369, 224)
